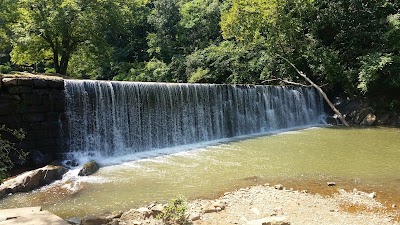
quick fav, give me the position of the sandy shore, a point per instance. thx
(263, 203)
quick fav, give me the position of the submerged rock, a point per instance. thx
(31, 180)
(89, 168)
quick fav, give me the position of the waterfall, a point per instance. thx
(117, 118)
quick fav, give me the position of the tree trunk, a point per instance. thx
(338, 114)
(64, 65)
(55, 61)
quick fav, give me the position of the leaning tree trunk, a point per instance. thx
(336, 111)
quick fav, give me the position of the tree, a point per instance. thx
(7, 17)
(57, 27)
(200, 24)
(163, 41)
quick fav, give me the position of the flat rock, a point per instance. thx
(29, 216)
(273, 220)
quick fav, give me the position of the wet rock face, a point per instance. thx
(88, 168)
(31, 180)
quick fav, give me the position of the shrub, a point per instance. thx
(8, 150)
(175, 211)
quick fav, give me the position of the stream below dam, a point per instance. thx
(364, 158)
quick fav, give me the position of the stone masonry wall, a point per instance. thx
(35, 104)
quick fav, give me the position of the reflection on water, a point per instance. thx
(368, 159)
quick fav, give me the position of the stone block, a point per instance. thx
(7, 82)
(5, 98)
(29, 136)
(28, 144)
(20, 90)
(32, 99)
(34, 117)
(53, 133)
(56, 84)
(46, 142)
(25, 82)
(57, 95)
(5, 109)
(55, 125)
(39, 83)
(59, 106)
(53, 116)
(9, 118)
(39, 134)
(38, 108)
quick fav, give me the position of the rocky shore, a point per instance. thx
(361, 112)
(264, 204)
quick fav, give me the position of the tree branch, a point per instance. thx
(339, 115)
(285, 81)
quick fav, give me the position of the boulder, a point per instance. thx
(383, 119)
(32, 179)
(156, 210)
(136, 215)
(369, 120)
(74, 220)
(94, 220)
(210, 207)
(362, 114)
(89, 168)
(194, 217)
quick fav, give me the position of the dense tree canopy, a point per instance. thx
(349, 46)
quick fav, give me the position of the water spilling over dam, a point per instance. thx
(117, 118)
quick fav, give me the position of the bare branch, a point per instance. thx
(339, 115)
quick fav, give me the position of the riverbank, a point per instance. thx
(265, 203)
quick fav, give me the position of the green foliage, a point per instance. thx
(228, 63)
(5, 69)
(372, 66)
(348, 46)
(8, 150)
(199, 24)
(153, 71)
(175, 211)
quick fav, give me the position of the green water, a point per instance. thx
(367, 158)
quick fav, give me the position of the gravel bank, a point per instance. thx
(264, 203)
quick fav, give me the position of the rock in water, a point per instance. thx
(88, 168)
(32, 179)
(331, 183)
